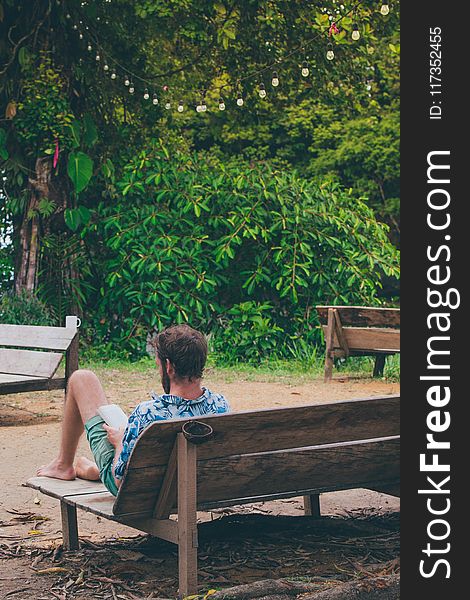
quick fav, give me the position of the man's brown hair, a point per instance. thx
(185, 348)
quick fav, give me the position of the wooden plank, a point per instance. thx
(372, 339)
(29, 362)
(31, 336)
(275, 474)
(168, 489)
(58, 488)
(8, 378)
(166, 529)
(283, 471)
(187, 517)
(362, 316)
(340, 335)
(32, 385)
(276, 429)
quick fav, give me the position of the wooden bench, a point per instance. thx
(252, 456)
(359, 331)
(29, 370)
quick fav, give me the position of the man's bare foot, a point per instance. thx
(57, 470)
(87, 469)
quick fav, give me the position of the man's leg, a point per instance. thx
(84, 395)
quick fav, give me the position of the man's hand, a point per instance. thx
(114, 435)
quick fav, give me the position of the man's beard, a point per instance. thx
(165, 379)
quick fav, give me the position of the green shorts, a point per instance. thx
(103, 451)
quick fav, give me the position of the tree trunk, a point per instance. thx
(30, 232)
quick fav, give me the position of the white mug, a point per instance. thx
(74, 322)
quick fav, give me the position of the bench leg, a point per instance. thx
(329, 339)
(379, 365)
(328, 368)
(312, 505)
(69, 526)
(187, 517)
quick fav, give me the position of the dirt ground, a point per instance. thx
(30, 523)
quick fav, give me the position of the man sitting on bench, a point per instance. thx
(181, 354)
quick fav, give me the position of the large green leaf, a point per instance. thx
(80, 170)
(72, 218)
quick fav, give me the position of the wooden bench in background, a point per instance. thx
(252, 456)
(359, 331)
(23, 369)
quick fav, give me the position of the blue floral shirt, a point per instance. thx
(164, 408)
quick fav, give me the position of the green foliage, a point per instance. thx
(191, 239)
(24, 309)
(80, 170)
(44, 111)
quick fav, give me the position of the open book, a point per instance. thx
(113, 415)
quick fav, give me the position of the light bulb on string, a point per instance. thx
(105, 67)
(275, 79)
(168, 105)
(131, 88)
(155, 99)
(80, 35)
(97, 57)
(75, 27)
(240, 99)
(262, 90)
(180, 106)
(89, 48)
(384, 9)
(113, 75)
(221, 104)
(355, 32)
(146, 94)
(203, 106)
(305, 71)
(330, 52)
(126, 81)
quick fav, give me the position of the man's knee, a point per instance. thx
(82, 377)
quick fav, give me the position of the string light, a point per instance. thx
(305, 70)
(384, 9)
(330, 53)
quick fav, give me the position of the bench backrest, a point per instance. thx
(264, 453)
(364, 328)
(15, 360)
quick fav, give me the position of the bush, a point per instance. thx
(242, 251)
(24, 309)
